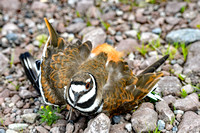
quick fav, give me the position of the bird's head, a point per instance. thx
(81, 90)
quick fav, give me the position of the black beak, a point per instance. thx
(76, 98)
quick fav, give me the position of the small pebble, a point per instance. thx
(157, 31)
(2, 131)
(178, 112)
(128, 127)
(116, 119)
(161, 125)
(175, 129)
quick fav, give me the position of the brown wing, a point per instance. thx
(121, 97)
(59, 64)
(114, 91)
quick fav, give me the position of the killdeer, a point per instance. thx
(90, 81)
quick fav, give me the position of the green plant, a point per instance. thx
(171, 51)
(174, 108)
(139, 36)
(78, 14)
(188, 1)
(156, 130)
(104, 24)
(16, 86)
(182, 9)
(183, 93)
(198, 26)
(181, 77)
(42, 38)
(184, 51)
(151, 1)
(88, 22)
(12, 58)
(172, 120)
(48, 115)
(2, 123)
(155, 44)
(143, 49)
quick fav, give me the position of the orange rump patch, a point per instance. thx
(109, 50)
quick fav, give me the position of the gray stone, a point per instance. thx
(25, 94)
(37, 5)
(100, 124)
(86, 30)
(118, 128)
(190, 123)
(157, 31)
(3, 63)
(17, 126)
(119, 12)
(11, 131)
(69, 128)
(178, 112)
(175, 129)
(188, 88)
(190, 15)
(169, 126)
(30, 118)
(10, 4)
(15, 98)
(2, 131)
(144, 119)
(96, 36)
(93, 12)
(177, 69)
(161, 125)
(128, 127)
(195, 22)
(149, 61)
(75, 28)
(192, 65)
(169, 85)
(172, 20)
(5, 93)
(131, 33)
(183, 35)
(190, 103)
(174, 7)
(12, 36)
(108, 16)
(164, 112)
(55, 130)
(84, 5)
(41, 129)
(116, 119)
(20, 104)
(148, 37)
(128, 45)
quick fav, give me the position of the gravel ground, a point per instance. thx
(143, 30)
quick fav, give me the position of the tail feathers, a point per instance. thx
(155, 65)
(31, 68)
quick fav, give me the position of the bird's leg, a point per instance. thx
(69, 115)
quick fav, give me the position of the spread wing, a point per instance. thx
(60, 61)
(123, 90)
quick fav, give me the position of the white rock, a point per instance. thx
(17, 126)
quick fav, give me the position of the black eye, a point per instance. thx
(87, 85)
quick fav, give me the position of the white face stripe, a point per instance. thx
(90, 109)
(77, 88)
(88, 80)
(88, 95)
